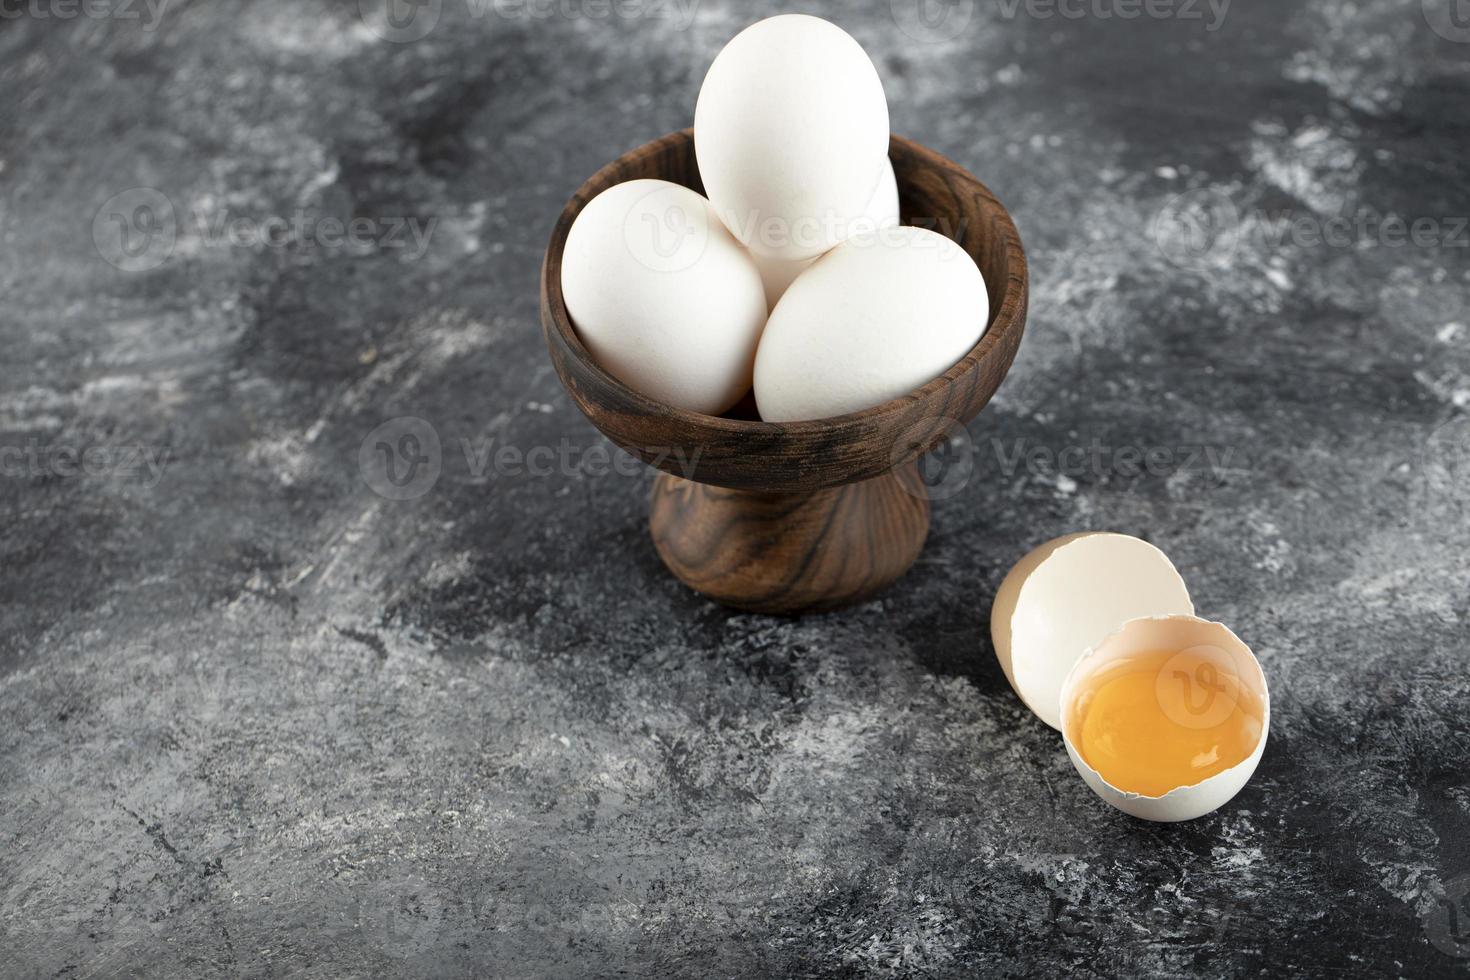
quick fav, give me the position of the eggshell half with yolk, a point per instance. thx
(1227, 653)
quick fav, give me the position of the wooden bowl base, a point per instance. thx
(791, 553)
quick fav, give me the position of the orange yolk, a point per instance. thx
(1153, 722)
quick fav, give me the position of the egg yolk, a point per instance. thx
(1153, 722)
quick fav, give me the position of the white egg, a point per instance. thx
(1227, 657)
(791, 131)
(1064, 597)
(881, 212)
(873, 319)
(665, 298)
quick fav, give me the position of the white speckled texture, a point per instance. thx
(262, 720)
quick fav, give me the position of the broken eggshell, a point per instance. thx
(1067, 594)
(1181, 633)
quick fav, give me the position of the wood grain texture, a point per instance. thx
(803, 456)
(803, 516)
(786, 553)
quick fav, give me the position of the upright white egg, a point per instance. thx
(873, 319)
(791, 131)
(664, 297)
(881, 212)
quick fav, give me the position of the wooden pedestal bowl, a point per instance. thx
(806, 516)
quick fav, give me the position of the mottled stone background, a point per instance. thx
(260, 719)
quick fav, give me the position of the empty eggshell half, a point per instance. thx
(1226, 654)
(1064, 597)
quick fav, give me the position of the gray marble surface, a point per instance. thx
(263, 719)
